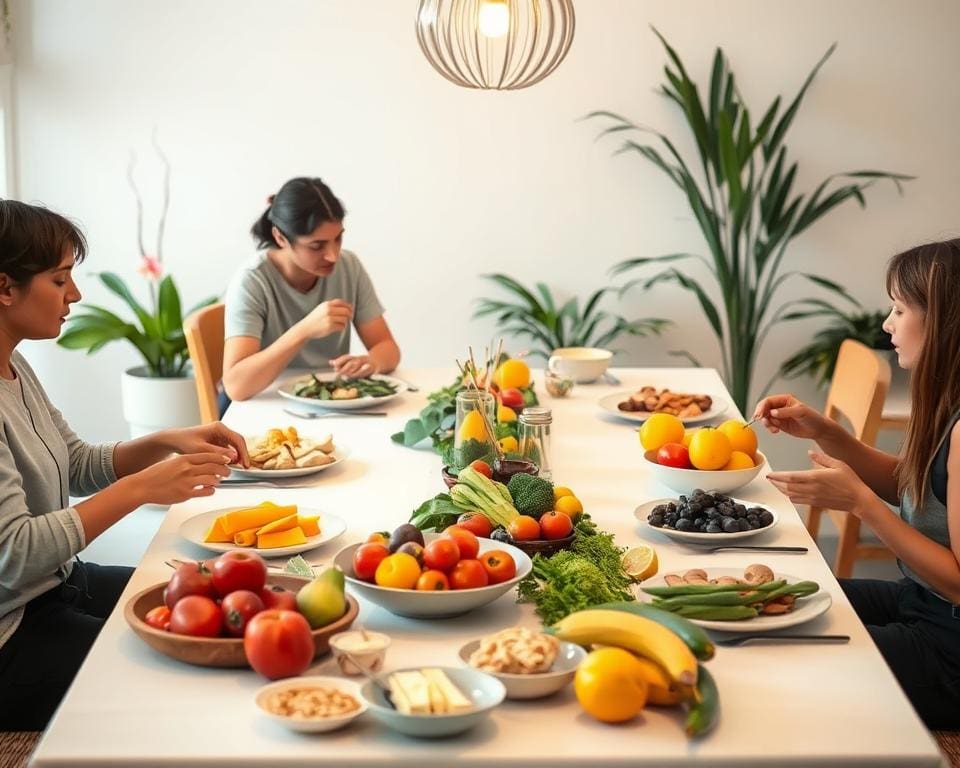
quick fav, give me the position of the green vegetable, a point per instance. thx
(323, 390)
(436, 514)
(710, 589)
(716, 612)
(696, 639)
(469, 452)
(704, 712)
(532, 495)
(717, 598)
(299, 567)
(480, 493)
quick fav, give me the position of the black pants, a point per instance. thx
(40, 660)
(920, 640)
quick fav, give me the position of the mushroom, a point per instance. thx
(673, 580)
(757, 574)
(775, 608)
(728, 580)
(695, 575)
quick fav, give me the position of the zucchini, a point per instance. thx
(704, 711)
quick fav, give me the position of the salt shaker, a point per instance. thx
(535, 427)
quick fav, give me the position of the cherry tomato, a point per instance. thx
(238, 608)
(468, 574)
(239, 569)
(556, 525)
(433, 581)
(278, 644)
(512, 398)
(498, 565)
(189, 579)
(275, 597)
(524, 528)
(196, 615)
(482, 467)
(477, 523)
(441, 554)
(466, 541)
(379, 537)
(158, 618)
(674, 455)
(367, 558)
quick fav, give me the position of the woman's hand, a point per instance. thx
(180, 478)
(355, 366)
(211, 438)
(327, 318)
(833, 486)
(784, 413)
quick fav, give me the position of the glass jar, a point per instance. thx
(535, 427)
(471, 439)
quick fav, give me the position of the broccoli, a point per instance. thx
(531, 495)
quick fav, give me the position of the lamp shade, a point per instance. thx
(495, 44)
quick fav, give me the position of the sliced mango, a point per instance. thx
(287, 538)
(254, 517)
(246, 538)
(309, 524)
(216, 534)
(283, 524)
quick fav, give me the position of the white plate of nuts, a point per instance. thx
(312, 704)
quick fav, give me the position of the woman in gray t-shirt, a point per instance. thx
(293, 306)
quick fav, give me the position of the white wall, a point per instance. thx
(443, 183)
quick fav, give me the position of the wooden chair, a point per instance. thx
(16, 747)
(204, 333)
(857, 392)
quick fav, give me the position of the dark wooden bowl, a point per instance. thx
(545, 547)
(218, 651)
(513, 467)
(448, 479)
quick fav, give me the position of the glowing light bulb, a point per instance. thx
(494, 18)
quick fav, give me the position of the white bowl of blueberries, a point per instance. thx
(706, 517)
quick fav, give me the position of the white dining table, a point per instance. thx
(796, 705)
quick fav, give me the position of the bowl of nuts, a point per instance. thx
(312, 704)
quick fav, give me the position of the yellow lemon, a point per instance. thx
(509, 444)
(559, 491)
(710, 449)
(742, 438)
(471, 428)
(569, 505)
(660, 429)
(513, 373)
(610, 685)
(506, 414)
(739, 460)
(640, 563)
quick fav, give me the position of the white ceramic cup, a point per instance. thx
(582, 364)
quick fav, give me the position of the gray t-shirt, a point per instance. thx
(42, 462)
(260, 303)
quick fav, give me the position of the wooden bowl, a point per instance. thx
(218, 651)
(545, 547)
(501, 472)
(448, 479)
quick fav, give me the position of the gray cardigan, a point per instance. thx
(42, 463)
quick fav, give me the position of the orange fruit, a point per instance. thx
(506, 414)
(742, 438)
(512, 373)
(660, 429)
(710, 449)
(611, 685)
(739, 460)
(471, 428)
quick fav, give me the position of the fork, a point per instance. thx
(744, 639)
(753, 548)
(331, 414)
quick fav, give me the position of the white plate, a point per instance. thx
(286, 390)
(807, 608)
(195, 528)
(646, 508)
(340, 454)
(610, 402)
(318, 725)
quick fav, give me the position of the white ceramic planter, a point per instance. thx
(150, 403)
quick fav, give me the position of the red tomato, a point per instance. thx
(556, 525)
(238, 608)
(367, 558)
(524, 528)
(158, 618)
(278, 644)
(674, 455)
(482, 467)
(441, 554)
(189, 579)
(197, 616)
(275, 597)
(468, 574)
(239, 569)
(433, 581)
(466, 541)
(512, 398)
(498, 565)
(477, 523)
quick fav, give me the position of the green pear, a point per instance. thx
(323, 600)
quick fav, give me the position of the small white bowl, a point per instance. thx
(539, 684)
(715, 481)
(371, 656)
(485, 691)
(582, 364)
(320, 724)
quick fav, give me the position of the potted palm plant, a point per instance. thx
(740, 188)
(159, 393)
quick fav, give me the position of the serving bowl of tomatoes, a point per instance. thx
(448, 574)
(686, 479)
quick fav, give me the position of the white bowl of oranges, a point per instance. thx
(720, 459)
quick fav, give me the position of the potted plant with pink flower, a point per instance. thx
(160, 393)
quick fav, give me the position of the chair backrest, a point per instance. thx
(204, 333)
(858, 390)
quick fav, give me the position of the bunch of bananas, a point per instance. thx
(649, 656)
